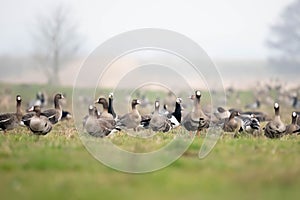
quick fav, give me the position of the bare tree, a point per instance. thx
(285, 39)
(56, 40)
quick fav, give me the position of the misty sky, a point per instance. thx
(225, 29)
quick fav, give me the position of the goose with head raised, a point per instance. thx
(9, 121)
(132, 119)
(293, 127)
(54, 114)
(159, 122)
(195, 120)
(275, 128)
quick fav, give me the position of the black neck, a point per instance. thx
(294, 119)
(177, 112)
(277, 111)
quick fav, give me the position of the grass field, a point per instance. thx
(58, 166)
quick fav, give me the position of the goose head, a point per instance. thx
(294, 117)
(18, 98)
(156, 105)
(102, 101)
(178, 100)
(135, 102)
(111, 95)
(36, 109)
(91, 110)
(276, 108)
(198, 94)
(234, 114)
(59, 96)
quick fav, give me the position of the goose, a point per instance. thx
(260, 116)
(9, 121)
(39, 124)
(54, 114)
(175, 117)
(132, 119)
(232, 123)
(221, 113)
(253, 106)
(96, 114)
(110, 105)
(158, 121)
(168, 102)
(275, 128)
(105, 114)
(195, 120)
(97, 127)
(249, 123)
(296, 102)
(40, 100)
(293, 127)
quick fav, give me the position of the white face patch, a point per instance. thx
(91, 107)
(276, 105)
(156, 104)
(294, 114)
(178, 100)
(198, 93)
(138, 101)
(19, 98)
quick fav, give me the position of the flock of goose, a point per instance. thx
(107, 122)
(38, 121)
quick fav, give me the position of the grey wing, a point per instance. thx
(190, 124)
(6, 117)
(51, 115)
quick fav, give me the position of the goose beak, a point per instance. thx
(96, 101)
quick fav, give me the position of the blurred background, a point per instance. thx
(255, 45)
(249, 41)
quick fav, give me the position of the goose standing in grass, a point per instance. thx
(104, 114)
(39, 124)
(9, 121)
(159, 122)
(175, 117)
(132, 119)
(95, 126)
(275, 128)
(54, 114)
(195, 120)
(232, 123)
(110, 105)
(293, 127)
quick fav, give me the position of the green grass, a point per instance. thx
(58, 166)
